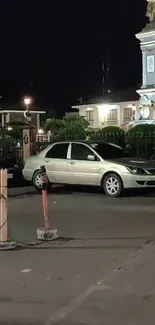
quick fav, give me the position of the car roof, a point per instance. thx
(89, 142)
(85, 141)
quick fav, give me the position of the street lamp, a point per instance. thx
(9, 128)
(40, 131)
(27, 102)
(27, 114)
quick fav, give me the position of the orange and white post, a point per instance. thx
(45, 199)
(3, 205)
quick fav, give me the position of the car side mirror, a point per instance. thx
(91, 157)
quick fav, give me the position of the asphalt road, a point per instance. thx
(76, 279)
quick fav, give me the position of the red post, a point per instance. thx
(3, 205)
(44, 198)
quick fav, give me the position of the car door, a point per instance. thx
(56, 163)
(81, 170)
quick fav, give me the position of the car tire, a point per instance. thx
(37, 180)
(112, 185)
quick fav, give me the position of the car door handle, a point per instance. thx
(47, 160)
(72, 162)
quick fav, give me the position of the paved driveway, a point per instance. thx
(98, 235)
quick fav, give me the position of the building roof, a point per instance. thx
(6, 111)
(126, 95)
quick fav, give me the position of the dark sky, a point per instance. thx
(54, 50)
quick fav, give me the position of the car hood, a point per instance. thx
(135, 162)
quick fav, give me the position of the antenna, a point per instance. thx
(106, 71)
(103, 79)
(80, 100)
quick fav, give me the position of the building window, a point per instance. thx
(112, 115)
(90, 115)
(127, 113)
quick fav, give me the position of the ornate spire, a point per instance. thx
(151, 10)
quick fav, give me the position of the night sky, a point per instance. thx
(53, 50)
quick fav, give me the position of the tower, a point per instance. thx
(147, 44)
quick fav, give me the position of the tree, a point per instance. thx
(53, 125)
(68, 128)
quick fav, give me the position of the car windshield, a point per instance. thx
(109, 151)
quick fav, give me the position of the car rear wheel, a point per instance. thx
(37, 180)
(113, 185)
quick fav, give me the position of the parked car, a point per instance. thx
(12, 169)
(90, 163)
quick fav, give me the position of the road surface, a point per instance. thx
(100, 272)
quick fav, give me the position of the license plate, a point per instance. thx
(10, 176)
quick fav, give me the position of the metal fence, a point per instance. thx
(11, 153)
(136, 144)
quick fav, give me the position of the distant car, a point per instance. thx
(12, 169)
(90, 163)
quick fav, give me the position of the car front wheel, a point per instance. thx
(113, 185)
(37, 180)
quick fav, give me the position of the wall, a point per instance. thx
(125, 105)
(68, 114)
(82, 110)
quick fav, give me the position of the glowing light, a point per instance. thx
(89, 109)
(27, 100)
(9, 128)
(40, 131)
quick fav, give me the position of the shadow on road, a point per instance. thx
(18, 181)
(71, 189)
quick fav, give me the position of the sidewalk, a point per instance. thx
(124, 296)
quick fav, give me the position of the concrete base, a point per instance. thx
(6, 245)
(51, 234)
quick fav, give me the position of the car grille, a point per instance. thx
(151, 183)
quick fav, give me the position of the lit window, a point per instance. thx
(90, 115)
(112, 115)
(128, 113)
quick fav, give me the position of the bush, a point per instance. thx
(144, 129)
(140, 140)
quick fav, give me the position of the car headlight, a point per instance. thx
(134, 170)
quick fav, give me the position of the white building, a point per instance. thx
(100, 114)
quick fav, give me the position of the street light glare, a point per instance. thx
(27, 101)
(40, 131)
(9, 128)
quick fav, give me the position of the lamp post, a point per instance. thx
(27, 114)
(27, 102)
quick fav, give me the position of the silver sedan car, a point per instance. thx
(90, 163)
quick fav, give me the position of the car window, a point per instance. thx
(80, 152)
(58, 151)
(108, 151)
